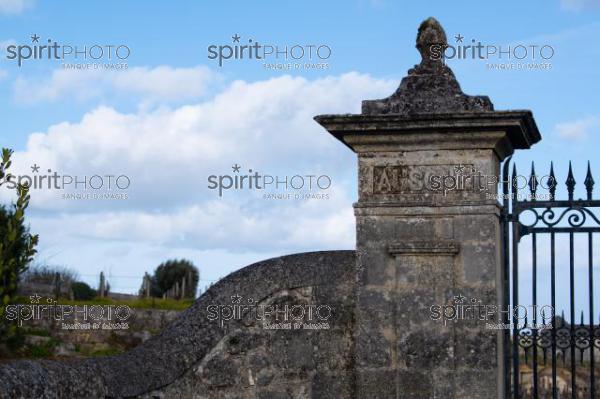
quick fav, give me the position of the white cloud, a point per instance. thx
(222, 224)
(165, 82)
(14, 6)
(577, 130)
(151, 84)
(169, 153)
(578, 5)
(265, 125)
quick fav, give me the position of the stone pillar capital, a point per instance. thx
(500, 131)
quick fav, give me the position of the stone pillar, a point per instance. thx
(420, 245)
(102, 286)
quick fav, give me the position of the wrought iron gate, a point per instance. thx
(561, 361)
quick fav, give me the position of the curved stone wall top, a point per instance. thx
(167, 356)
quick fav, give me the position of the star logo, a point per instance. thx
(459, 298)
(459, 38)
(459, 168)
(236, 298)
(236, 38)
(236, 168)
(35, 168)
(35, 38)
(35, 298)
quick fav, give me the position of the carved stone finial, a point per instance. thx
(430, 34)
(430, 87)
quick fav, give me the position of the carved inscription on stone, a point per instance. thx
(420, 179)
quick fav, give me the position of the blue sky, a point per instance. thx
(122, 122)
(372, 37)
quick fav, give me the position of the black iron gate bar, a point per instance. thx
(575, 213)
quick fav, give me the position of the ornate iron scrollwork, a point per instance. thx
(583, 337)
(575, 216)
(563, 338)
(525, 338)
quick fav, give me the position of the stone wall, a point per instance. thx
(197, 357)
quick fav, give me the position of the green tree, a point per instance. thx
(17, 246)
(174, 271)
(82, 291)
